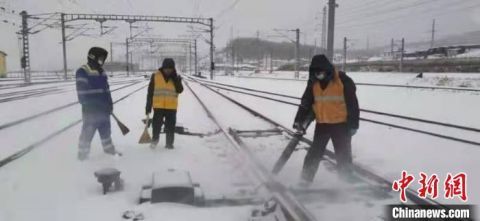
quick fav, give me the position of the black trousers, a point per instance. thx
(167, 117)
(341, 144)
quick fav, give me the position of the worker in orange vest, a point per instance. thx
(331, 95)
(163, 90)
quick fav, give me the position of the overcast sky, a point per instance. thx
(359, 20)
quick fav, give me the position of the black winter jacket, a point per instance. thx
(349, 90)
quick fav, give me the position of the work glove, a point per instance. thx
(174, 75)
(352, 131)
(298, 126)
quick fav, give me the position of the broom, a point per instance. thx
(145, 138)
(122, 126)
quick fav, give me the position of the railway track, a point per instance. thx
(53, 110)
(23, 151)
(382, 85)
(366, 175)
(295, 210)
(25, 94)
(248, 91)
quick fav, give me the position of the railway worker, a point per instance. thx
(163, 90)
(94, 96)
(331, 95)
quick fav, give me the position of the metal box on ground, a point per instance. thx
(173, 186)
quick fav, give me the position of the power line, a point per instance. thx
(369, 7)
(390, 10)
(425, 12)
(230, 7)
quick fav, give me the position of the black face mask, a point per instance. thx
(101, 61)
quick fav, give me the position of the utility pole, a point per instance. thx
(127, 61)
(130, 25)
(195, 52)
(258, 49)
(212, 50)
(432, 42)
(271, 60)
(331, 28)
(233, 57)
(64, 46)
(392, 44)
(25, 60)
(401, 55)
(344, 53)
(368, 43)
(232, 52)
(190, 51)
(324, 28)
(111, 52)
(297, 53)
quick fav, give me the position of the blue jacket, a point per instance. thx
(93, 90)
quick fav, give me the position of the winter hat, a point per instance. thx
(168, 63)
(320, 63)
(95, 53)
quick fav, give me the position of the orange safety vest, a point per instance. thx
(329, 105)
(164, 96)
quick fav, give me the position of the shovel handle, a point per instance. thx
(146, 122)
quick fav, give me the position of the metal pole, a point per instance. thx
(433, 34)
(128, 57)
(344, 53)
(271, 61)
(297, 53)
(64, 46)
(25, 60)
(132, 63)
(233, 57)
(392, 45)
(190, 68)
(212, 50)
(401, 55)
(111, 51)
(331, 27)
(324, 28)
(130, 22)
(196, 67)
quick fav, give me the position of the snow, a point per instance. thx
(455, 80)
(50, 184)
(438, 105)
(474, 53)
(52, 174)
(385, 150)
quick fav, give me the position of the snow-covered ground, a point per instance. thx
(51, 173)
(50, 184)
(460, 80)
(385, 150)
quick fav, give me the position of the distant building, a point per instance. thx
(3, 64)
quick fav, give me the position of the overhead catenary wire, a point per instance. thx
(416, 15)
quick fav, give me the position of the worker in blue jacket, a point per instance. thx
(94, 95)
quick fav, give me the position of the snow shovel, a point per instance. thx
(287, 152)
(122, 126)
(147, 120)
(145, 138)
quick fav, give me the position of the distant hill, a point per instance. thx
(253, 48)
(467, 38)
